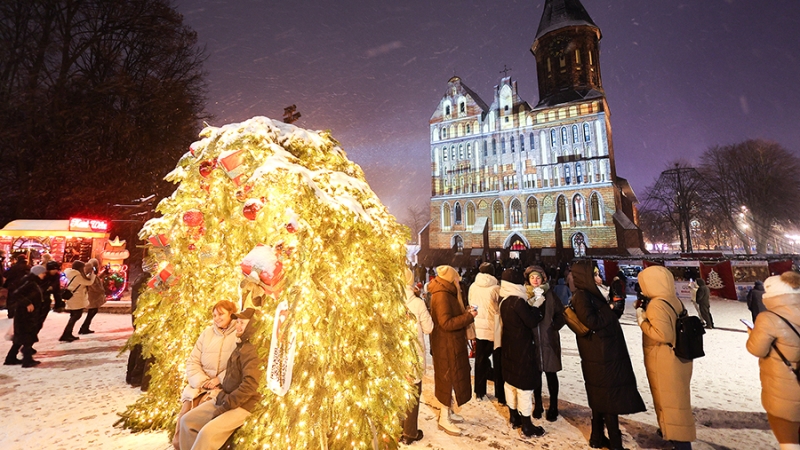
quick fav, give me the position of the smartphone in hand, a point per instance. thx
(747, 323)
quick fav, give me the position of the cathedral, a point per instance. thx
(512, 179)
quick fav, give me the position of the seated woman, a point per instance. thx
(205, 368)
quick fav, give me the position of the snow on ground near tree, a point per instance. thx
(71, 400)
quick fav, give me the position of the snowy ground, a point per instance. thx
(70, 401)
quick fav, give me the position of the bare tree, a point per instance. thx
(416, 218)
(98, 99)
(756, 184)
(658, 230)
(675, 198)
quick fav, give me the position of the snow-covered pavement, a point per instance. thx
(70, 401)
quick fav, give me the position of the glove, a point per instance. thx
(538, 301)
(641, 315)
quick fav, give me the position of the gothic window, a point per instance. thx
(533, 211)
(447, 110)
(469, 151)
(555, 176)
(494, 146)
(470, 214)
(453, 152)
(579, 244)
(578, 208)
(564, 139)
(444, 153)
(567, 177)
(521, 143)
(503, 144)
(579, 172)
(458, 213)
(587, 135)
(458, 244)
(444, 133)
(446, 217)
(575, 137)
(461, 151)
(498, 218)
(516, 213)
(485, 149)
(553, 140)
(595, 204)
(512, 144)
(562, 209)
(533, 143)
(468, 129)
(462, 107)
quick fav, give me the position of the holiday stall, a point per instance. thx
(65, 240)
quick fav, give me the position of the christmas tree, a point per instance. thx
(714, 280)
(276, 217)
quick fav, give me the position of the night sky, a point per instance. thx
(680, 76)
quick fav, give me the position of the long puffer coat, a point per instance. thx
(780, 391)
(546, 336)
(26, 324)
(449, 343)
(520, 367)
(669, 376)
(79, 285)
(209, 358)
(483, 294)
(605, 362)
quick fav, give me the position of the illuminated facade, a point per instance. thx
(503, 173)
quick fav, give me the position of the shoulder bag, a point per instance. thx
(786, 361)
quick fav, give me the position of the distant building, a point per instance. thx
(503, 173)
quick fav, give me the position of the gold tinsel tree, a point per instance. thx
(335, 256)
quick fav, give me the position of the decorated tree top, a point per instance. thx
(276, 217)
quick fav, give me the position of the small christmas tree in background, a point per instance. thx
(278, 218)
(714, 280)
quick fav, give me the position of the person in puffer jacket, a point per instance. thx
(205, 368)
(776, 330)
(211, 424)
(78, 283)
(483, 294)
(415, 305)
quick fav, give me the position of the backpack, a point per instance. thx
(689, 333)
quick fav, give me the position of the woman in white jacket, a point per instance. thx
(416, 306)
(78, 283)
(205, 368)
(483, 294)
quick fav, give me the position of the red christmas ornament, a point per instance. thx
(191, 247)
(290, 227)
(251, 208)
(193, 218)
(205, 186)
(242, 193)
(206, 167)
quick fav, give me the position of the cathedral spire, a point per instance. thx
(563, 13)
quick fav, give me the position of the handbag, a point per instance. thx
(574, 323)
(66, 294)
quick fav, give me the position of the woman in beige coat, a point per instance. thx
(669, 376)
(780, 391)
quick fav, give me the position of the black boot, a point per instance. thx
(538, 408)
(30, 363)
(12, 361)
(514, 418)
(552, 411)
(528, 428)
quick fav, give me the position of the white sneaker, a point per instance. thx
(446, 425)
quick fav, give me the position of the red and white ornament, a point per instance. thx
(243, 192)
(232, 163)
(292, 223)
(262, 265)
(206, 167)
(193, 218)
(252, 207)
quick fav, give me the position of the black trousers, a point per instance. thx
(611, 423)
(705, 312)
(87, 322)
(410, 422)
(499, 383)
(74, 315)
(483, 365)
(552, 388)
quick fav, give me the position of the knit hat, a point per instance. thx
(246, 314)
(486, 268)
(448, 273)
(53, 265)
(537, 269)
(513, 276)
(786, 283)
(38, 270)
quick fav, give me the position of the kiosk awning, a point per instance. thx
(33, 228)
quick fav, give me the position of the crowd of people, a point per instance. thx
(514, 323)
(508, 319)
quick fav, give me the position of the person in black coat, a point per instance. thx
(29, 297)
(704, 302)
(521, 371)
(754, 299)
(605, 362)
(13, 280)
(52, 289)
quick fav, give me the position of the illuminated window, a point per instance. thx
(553, 140)
(521, 143)
(470, 214)
(515, 212)
(575, 137)
(567, 177)
(512, 144)
(447, 110)
(564, 138)
(587, 135)
(595, 206)
(533, 142)
(494, 146)
(498, 218)
(577, 56)
(446, 217)
(458, 244)
(458, 213)
(533, 212)
(579, 172)
(462, 107)
(578, 208)
(503, 144)
(562, 209)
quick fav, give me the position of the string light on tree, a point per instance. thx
(278, 215)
